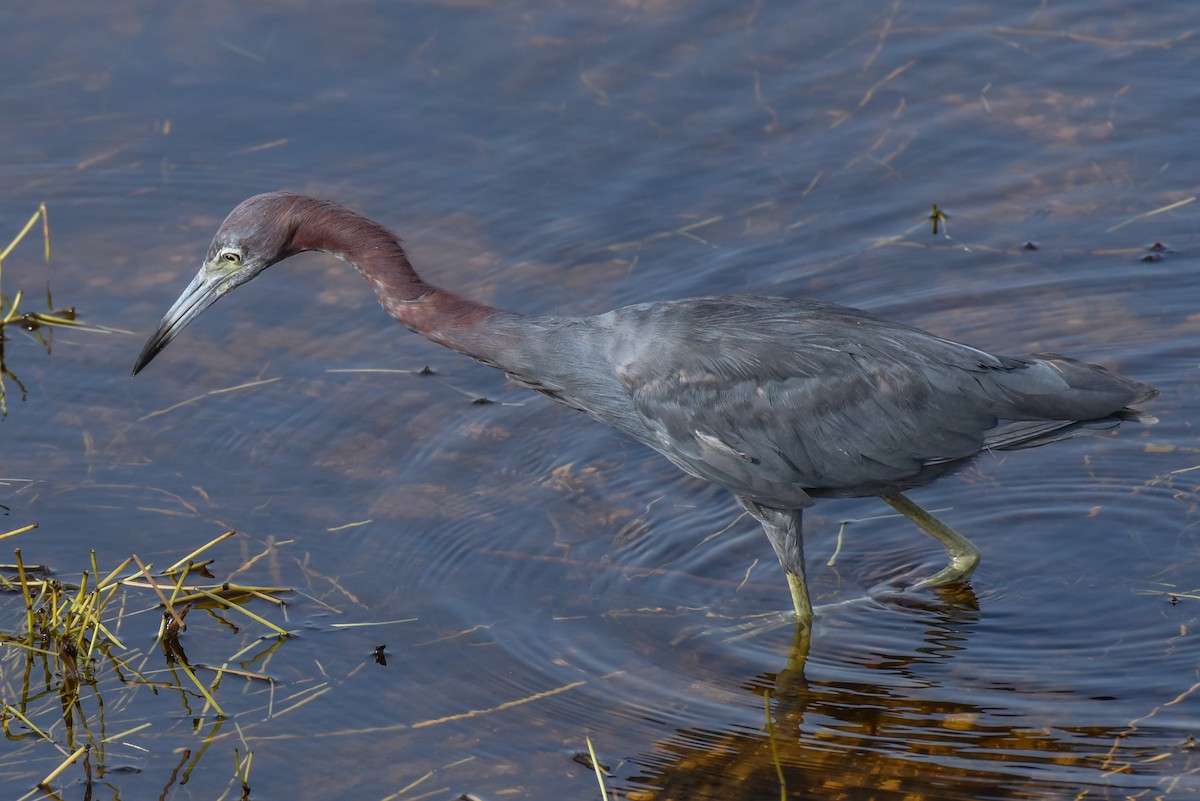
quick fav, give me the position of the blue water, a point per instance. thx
(567, 583)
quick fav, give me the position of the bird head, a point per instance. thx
(258, 233)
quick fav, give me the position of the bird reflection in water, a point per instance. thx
(886, 728)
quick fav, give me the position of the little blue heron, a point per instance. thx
(778, 400)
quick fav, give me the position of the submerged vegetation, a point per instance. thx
(38, 324)
(69, 668)
(33, 321)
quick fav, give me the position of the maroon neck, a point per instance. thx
(439, 315)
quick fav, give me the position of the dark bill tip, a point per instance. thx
(156, 343)
(200, 294)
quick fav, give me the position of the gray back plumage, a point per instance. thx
(780, 400)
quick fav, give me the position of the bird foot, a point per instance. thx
(957, 572)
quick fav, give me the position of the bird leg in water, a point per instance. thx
(782, 527)
(964, 556)
(800, 599)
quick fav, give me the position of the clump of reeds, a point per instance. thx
(71, 634)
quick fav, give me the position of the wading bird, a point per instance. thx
(778, 400)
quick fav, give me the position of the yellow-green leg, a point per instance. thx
(783, 529)
(964, 556)
(800, 599)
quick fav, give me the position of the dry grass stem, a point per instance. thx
(596, 767)
(237, 608)
(191, 556)
(211, 393)
(17, 531)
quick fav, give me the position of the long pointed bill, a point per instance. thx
(204, 290)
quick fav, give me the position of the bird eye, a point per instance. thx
(231, 257)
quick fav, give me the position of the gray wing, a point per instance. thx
(779, 399)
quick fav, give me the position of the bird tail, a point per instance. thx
(1050, 397)
(1137, 415)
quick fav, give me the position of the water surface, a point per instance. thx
(559, 581)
